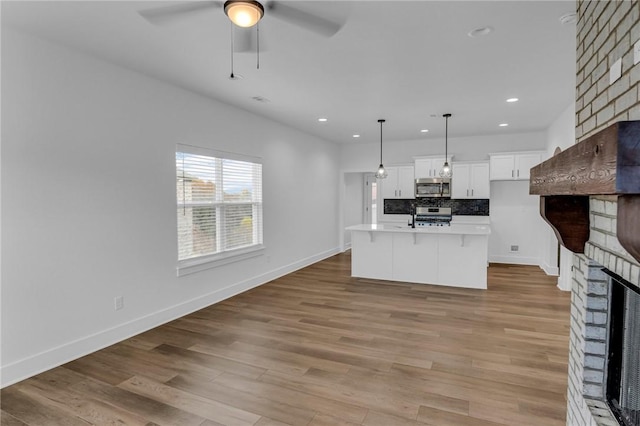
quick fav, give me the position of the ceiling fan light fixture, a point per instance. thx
(244, 13)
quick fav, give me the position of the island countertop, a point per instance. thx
(454, 229)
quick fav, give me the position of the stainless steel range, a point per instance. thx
(433, 216)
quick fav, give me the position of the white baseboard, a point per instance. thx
(514, 260)
(54, 357)
(550, 270)
(564, 284)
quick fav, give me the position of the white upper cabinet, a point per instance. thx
(470, 180)
(428, 167)
(514, 166)
(399, 182)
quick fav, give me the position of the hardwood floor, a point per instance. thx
(318, 347)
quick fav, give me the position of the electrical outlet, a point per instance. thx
(118, 303)
(515, 248)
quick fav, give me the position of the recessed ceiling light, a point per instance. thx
(322, 120)
(503, 124)
(480, 32)
(424, 130)
(512, 100)
(356, 136)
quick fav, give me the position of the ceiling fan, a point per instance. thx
(246, 13)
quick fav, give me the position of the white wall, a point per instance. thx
(515, 220)
(561, 134)
(354, 203)
(89, 202)
(363, 157)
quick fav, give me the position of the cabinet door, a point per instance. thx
(460, 174)
(524, 163)
(406, 182)
(437, 164)
(423, 168)
(390, 183)
(502, 167)
(479, 180)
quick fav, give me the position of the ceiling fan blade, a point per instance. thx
(302, 19)
(167, 14)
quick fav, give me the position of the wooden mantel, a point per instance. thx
(607, 163)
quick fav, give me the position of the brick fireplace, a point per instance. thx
(606, 32)
(590, 315)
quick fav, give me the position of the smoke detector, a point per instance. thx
(568, 18)
(480, 32)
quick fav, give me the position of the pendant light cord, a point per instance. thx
(258, 45)
(381, 121)
(232, 76)
(446, 138)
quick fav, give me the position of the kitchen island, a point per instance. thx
(454, 255)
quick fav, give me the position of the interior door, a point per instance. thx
(370, 207)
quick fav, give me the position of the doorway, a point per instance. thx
(360, 202)
(370, 207)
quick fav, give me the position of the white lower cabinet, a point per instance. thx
(439, 258)
(410, 251)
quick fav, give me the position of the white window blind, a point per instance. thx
(219, 204)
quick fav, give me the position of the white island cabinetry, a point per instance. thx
(453, 255)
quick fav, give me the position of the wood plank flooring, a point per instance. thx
(317, 348)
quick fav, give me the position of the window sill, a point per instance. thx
(191, 266)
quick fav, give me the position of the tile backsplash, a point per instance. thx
(458, 207)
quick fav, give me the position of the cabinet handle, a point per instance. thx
(399, 192)
(512, 173)
(518, 172)
(467, 192)
(472, 192)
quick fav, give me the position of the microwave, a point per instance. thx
(433, 188)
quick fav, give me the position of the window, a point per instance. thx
(219, 206)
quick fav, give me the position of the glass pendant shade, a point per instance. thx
(244, 13)
(381, 173)
(446, 169)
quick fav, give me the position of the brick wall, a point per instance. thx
(606, 32)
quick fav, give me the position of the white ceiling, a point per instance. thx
(408, 62)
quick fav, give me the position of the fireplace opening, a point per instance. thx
(623, 364)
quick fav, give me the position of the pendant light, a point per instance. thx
(244, 13)
(381, 173)
(446, 169)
